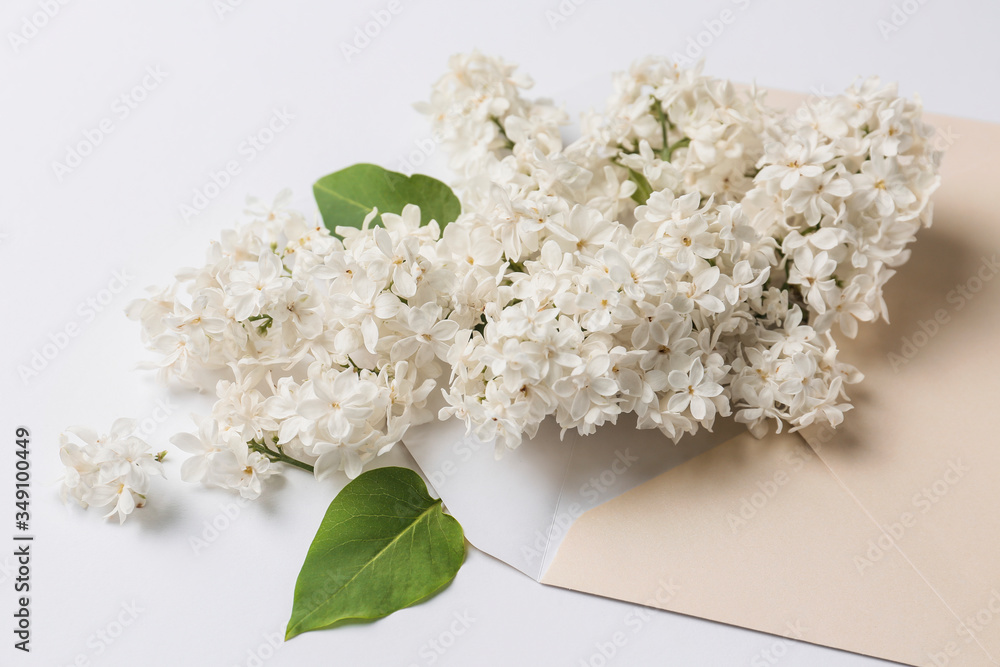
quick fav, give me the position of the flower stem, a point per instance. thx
(660, 116)
(509, 144)
(680, 143)
(278, 455)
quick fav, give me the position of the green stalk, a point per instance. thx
(279, 455)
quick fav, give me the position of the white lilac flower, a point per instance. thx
(242, 470)
(814, 272)
(693, 254)
(693, 391)
(801, 155)
(109, 470)
(881, 182)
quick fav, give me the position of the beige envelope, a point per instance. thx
(883, 537)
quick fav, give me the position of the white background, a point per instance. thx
(62, 240)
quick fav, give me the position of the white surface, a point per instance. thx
(62, 241)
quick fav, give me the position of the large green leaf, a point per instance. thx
(345, 197)
(383, 545)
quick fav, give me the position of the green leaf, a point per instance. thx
(345, 197)
(383, 545)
